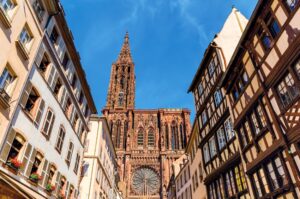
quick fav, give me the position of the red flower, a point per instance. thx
(16, 163)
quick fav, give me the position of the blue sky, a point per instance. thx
(167, 38)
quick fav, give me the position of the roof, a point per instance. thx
(226, 41)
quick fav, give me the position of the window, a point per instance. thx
(204, 118)
(229, 129)
(81, 96)
(44, 64)
(74, 81)
(57, 87)
(287, 90)
(7, 6)
(240, 84)
(32, 103)
(77, 163)
(272, 25)
(75, 121)
(221, 138)
(39, 9)
(6, 80)
(36, 163)
(151, 139)
(51, 174)
(200, 89)
(13, 146)
(65, 61)
(48, 123)
(121, 99)
(211, 68)
(218, 97)
(25, 38)
(140, 138)
(291, 4)
(60, 139)
(206, 153)
(212, 147)
(69, 154)
(54, 36)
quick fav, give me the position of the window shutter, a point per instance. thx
(64, 99)
(9, 140)
(30, 163)
(67, 190)
(55, 77)
(57, 182)
(51, 75)
(26, 156)
(44, 173)
(79, 128)
(50, 26)
(39, 113)
(40, 55)
(26, 93)
(51, 125)
(62, 94)
(72, 114)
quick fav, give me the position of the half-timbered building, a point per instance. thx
(263, 83)
(223, 171)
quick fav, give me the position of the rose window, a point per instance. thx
(145, 181)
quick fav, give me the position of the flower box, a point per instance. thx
(49, 189)
(34, 177)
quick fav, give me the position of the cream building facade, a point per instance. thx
(100, 168)
(198, 190)
(21, 31)
(42, 149)
(183, 179)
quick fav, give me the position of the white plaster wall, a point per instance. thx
(38, 141)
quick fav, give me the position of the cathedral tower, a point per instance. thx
(147, 141)
(121, 92)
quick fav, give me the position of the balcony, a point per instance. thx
(4, 99)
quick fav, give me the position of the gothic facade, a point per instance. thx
(146, 141)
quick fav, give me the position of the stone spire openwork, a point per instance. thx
(125, 54)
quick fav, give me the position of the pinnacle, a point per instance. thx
(125, 54)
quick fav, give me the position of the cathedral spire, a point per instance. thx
(121, 91)
(125, 54)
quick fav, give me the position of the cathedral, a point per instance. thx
(147, 141)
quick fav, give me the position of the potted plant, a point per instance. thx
(14, 164)
(50, 188)
(34, 177)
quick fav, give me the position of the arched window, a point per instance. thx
(118, 134)
(140, 138)
(151, 140)
(125, 134)
(12, 147)
(121, 98)
(167, 136)
(122, 82)
(183, 138)
(173, 136)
